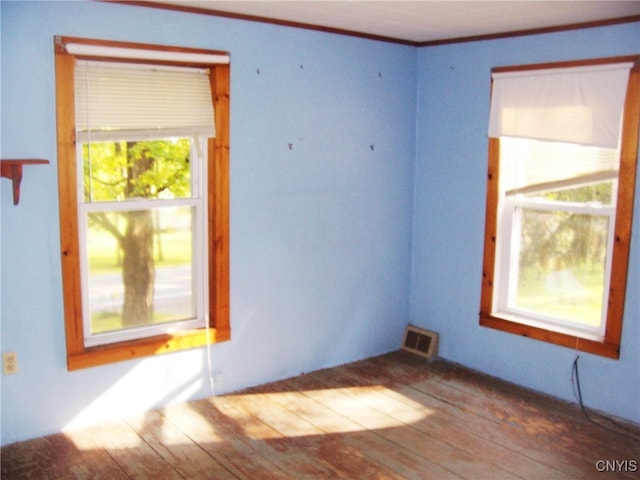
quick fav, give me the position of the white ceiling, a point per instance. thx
(424, 20)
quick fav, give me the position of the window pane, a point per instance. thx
(116, 171)
(561, 265)
(140, 267)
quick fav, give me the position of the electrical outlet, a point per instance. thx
(9, 363)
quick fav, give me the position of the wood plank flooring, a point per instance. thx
(396, 416)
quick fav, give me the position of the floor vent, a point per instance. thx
(421, 342)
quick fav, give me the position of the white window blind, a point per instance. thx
(534, 165)
(581, 105)
(122, 101)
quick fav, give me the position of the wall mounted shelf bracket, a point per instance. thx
(12, 169)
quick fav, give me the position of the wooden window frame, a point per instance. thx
(218, 329)
(610, 345)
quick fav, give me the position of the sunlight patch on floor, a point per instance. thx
(350, 409)
(269, 416)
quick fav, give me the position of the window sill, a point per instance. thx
(133, 349)
(602, 348)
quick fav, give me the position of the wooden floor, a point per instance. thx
(395, 416)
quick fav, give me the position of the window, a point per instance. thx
(143, 180)
(562, 165)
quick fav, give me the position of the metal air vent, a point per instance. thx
(421, 342)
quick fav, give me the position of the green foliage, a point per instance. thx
(115, 171)
(553, 240)
(558, 240)
(599, 192)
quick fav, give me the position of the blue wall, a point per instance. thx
(320, 232)
(450, 179)
(329, 260)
